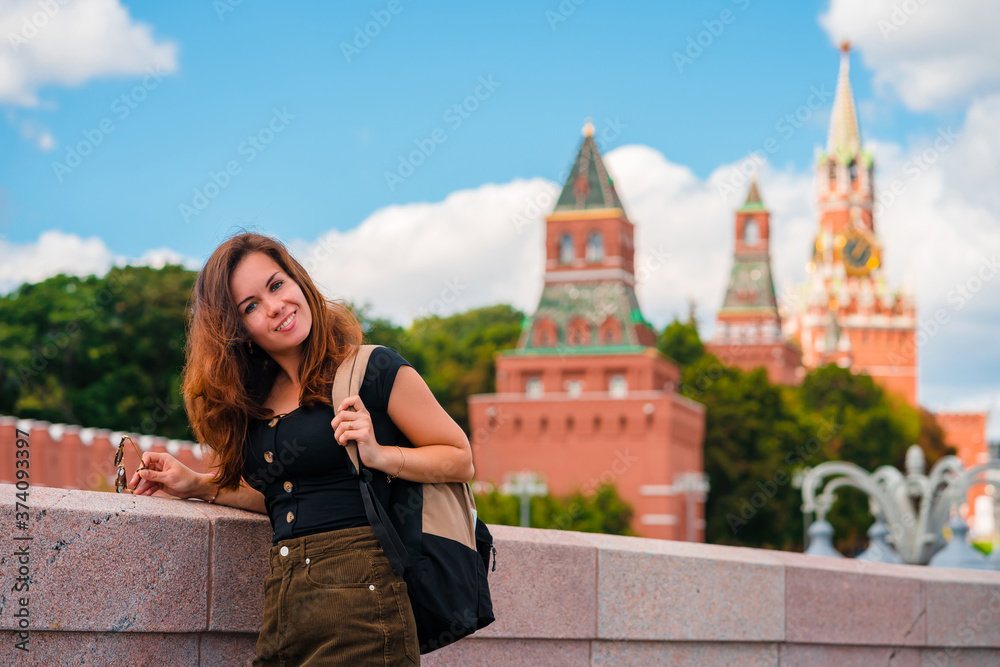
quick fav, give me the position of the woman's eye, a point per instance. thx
(250, 308)
(276, 284)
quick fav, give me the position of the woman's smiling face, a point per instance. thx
(270, 303)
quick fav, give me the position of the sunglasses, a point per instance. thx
(121, 482)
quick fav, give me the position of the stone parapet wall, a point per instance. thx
(116, 579)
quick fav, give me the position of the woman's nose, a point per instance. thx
(272, 306)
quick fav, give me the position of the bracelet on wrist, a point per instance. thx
(217, 489)
(402, 462)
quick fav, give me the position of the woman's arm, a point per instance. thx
(244, 498)
(168, 475)
(441, 450)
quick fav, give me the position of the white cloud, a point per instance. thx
(57, 252)
(53, 253)
(68, 43)
(437, 258)
(157, 258)
(929, 54)
(45, 141)
(471, 250)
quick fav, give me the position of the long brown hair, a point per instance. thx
(224, 384)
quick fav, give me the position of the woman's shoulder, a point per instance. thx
(383, 365)
(384, 357)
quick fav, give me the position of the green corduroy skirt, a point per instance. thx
(332, 599)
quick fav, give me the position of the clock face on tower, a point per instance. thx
(859, 252)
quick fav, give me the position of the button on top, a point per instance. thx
(371, 587)
(283, 551)
(289, 517)
(288, 487)
(269, 456)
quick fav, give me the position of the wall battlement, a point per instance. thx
(116, 579)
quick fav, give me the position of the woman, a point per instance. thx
(263, 347)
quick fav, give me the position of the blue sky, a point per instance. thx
(353, 119)
(168, 100)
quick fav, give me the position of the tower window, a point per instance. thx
(566, 249)
(595, 247)
(574, 388)
(832, 174)
(751, 232)
(533, 387)
(852, 171)
(618, 386)
(611, 331)
(545, 332)
(578, 332)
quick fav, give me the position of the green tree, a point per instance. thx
(868, 427)
(752, 452)
(103, 352)
(454, 354)
(602, 512)
(680, 342)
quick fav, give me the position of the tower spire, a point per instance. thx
(844, 139)
(588, 186)
(753, 202)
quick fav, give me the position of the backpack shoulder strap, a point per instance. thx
(347, 382)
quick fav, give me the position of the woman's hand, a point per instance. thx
(167, 474)
(354, 422)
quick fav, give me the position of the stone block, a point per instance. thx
(475, 652)
(220, 649)
(145, 649)
(844, 601)
(664, 590)
(820, 655)
(963, 607)
(683, 654)
(239, 545)
(108, 561)
(959, 657)
(544, 585)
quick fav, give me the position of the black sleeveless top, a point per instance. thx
(304, 474)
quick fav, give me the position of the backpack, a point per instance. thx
(431, 535)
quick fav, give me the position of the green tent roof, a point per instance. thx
(588, 186)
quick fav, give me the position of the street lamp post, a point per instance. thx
(525, 484)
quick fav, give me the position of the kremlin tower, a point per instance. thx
(586, 399)
(748, 332)
(846, 313)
